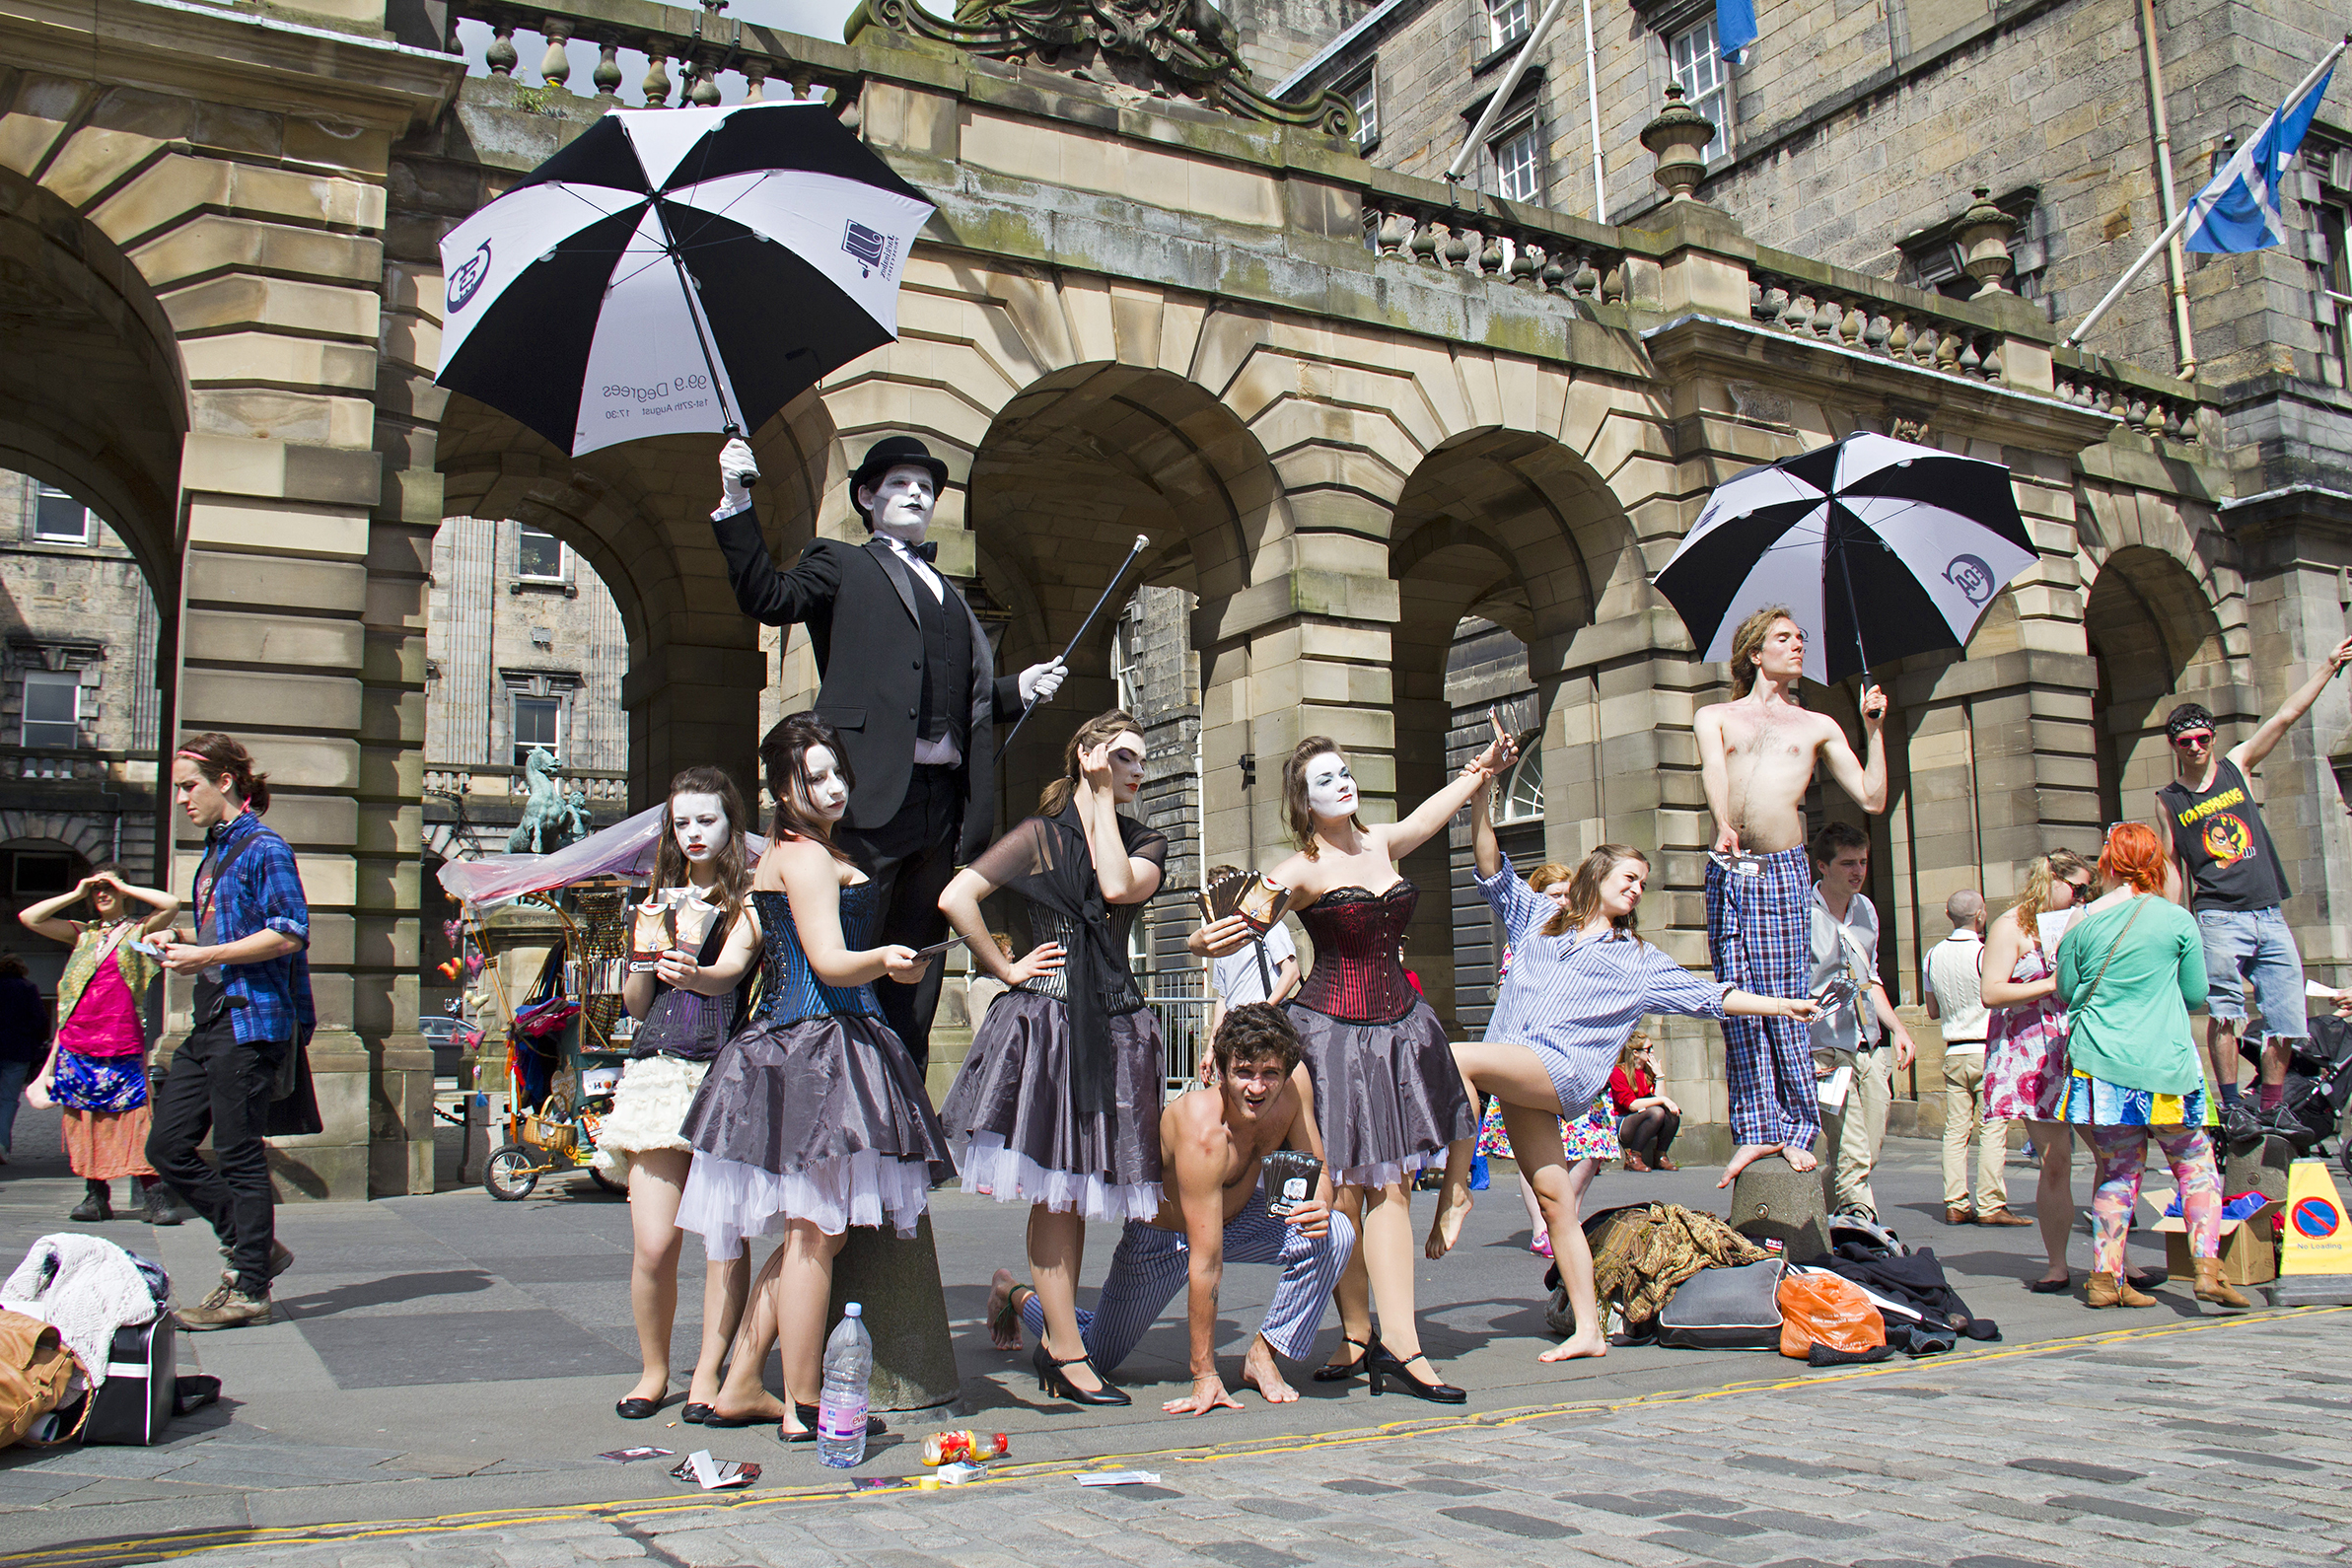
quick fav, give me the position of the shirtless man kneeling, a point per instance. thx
(1213, 1143)
(1756, 756)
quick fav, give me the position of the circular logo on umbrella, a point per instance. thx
(467, 280)
(2316, 1218)
(1971, 575)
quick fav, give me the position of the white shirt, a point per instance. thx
(1236, 972)
(1839, 947)
(923, 571)
(1954, 971)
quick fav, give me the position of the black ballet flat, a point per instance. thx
(695, 1414)
(806, 1414)
(1386, 1365)
(711, 1418)
(1333, 1371)
(636, 1409)
(1051, 1379)
(2051, 1287)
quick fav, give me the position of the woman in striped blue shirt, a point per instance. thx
(1587, 978)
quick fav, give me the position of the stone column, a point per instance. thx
(691, 705)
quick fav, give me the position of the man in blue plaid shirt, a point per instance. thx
(249, 956)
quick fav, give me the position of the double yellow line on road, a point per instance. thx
(120, 1552)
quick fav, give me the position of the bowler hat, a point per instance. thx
(892, 451)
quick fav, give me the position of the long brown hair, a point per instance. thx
(219, 756)
(1293, 792)
(1748, 641)
(2058, 865)
(1584, 893)
(784, 757)
(1056, 797)
(731, 868)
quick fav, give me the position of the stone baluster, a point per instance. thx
(1948, 352)
(657, 77)
(1971, 362)
(1396, 229)
(1613, 283)
(1766, 298)
(1457, 247)
(606, 75)
(556, 68)
(1797, 317)
(1586, 280)
(1993, 369)
(1854, 317)
(1899, 337)
(501, 57)
(1490, 257)
(1425, 242)
(803, 80)
(1525, 271)
(1876, 333)
(704, 93)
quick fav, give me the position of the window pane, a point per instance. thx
(52, 705)
(1510, 19)
(42, 872)
(1518, 165)
(58, 516)
(538, 554)
(537, 723)
(1365, 98)
(1523, 794)
(1699, 71)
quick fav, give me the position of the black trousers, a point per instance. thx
(1649, 1134)
(217, 1085)
(912, 859)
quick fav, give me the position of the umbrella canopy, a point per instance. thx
(625, 849)
(1880, 548)
(677, 270)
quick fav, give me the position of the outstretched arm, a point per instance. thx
(767, 595)
(1865, 780)
(2249, 752)
(1402, 838)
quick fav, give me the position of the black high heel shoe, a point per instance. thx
(1051, 1379)
(1385, 1366)
(1333, 1371)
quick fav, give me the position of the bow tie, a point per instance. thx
(927, 553)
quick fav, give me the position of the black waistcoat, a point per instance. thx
(947, 669)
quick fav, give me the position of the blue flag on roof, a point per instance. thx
(2238, 208)
(1735, 28)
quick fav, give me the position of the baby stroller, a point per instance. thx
(2318, 1089)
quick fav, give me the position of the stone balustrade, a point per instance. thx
(1542, 256)
(2153, 406)
(1879, 322)
(605, 787)
(704, 46)
(64, 763)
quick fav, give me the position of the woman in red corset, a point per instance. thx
(1387, 1092)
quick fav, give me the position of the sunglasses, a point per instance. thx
(2195, 741)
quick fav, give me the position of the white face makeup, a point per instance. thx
(699, 823)
(1330, 787)
(829, 793)
(1126, 767)
(900, 503)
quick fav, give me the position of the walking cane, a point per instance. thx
(1142, 542)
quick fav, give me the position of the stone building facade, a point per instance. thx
(78, 707)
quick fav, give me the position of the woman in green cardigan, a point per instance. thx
(2130, 967)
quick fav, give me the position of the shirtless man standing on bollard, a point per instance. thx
(1756, 756)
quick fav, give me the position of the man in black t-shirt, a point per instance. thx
(2220, 862)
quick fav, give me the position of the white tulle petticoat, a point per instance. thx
(993, 1170)
(647, 1108)
(1400, 1172)
(727, 1201)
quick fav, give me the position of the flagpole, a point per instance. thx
(1503, 91)
(2074, 339)
(1593, 107)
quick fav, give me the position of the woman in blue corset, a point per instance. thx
(813, 1118)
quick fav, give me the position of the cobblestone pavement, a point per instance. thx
(2185, 1443)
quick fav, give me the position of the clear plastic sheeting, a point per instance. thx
(625, 849)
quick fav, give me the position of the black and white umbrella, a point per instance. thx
(1871, 543)
(677, 270)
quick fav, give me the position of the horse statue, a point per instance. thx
(549, 820)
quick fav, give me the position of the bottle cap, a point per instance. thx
(853, 1309)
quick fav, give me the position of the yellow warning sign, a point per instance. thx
(2318, 1232)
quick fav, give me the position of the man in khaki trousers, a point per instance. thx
(1955, 968)
(1862, 1033)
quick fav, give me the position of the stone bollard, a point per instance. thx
(1770, 1201)
(2262, 1169)
(896, 1284)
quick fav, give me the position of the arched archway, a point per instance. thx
(2155, 641)
(1511, 528)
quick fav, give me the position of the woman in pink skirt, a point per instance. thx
(2025, 1057)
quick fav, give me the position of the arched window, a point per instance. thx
(1523, 789)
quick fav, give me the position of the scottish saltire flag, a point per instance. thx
(2238, 208)
(1735, 28)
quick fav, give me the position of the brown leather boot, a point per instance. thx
(2105, 1290)
(2215, 1289)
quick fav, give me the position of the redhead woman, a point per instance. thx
(1059, 1103)
(686, 1008)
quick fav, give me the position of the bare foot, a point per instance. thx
(1004, 1322)
(651, 1387)
(1799, 1159)
(1259, 1371)
(1588, 1343)
(769, 1408)
(1746, 1154)
(1445, 1228)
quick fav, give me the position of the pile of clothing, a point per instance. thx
(68, 1315)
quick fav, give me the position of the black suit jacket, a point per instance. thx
(862, 597)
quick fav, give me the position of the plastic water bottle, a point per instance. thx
(841, 1413)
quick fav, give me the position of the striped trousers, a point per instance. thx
(1152, 1265)
(1759, 938)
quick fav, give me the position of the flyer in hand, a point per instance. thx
(1256, 898)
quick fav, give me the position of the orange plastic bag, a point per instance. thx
(1819, 1308)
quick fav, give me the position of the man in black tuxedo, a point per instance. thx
(915, 694)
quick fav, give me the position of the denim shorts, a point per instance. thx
(2254, 945)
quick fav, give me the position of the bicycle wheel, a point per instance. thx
(606, 1183)
(508, 1172)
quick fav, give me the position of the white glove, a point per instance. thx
(739, 470)
(1039, 683)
